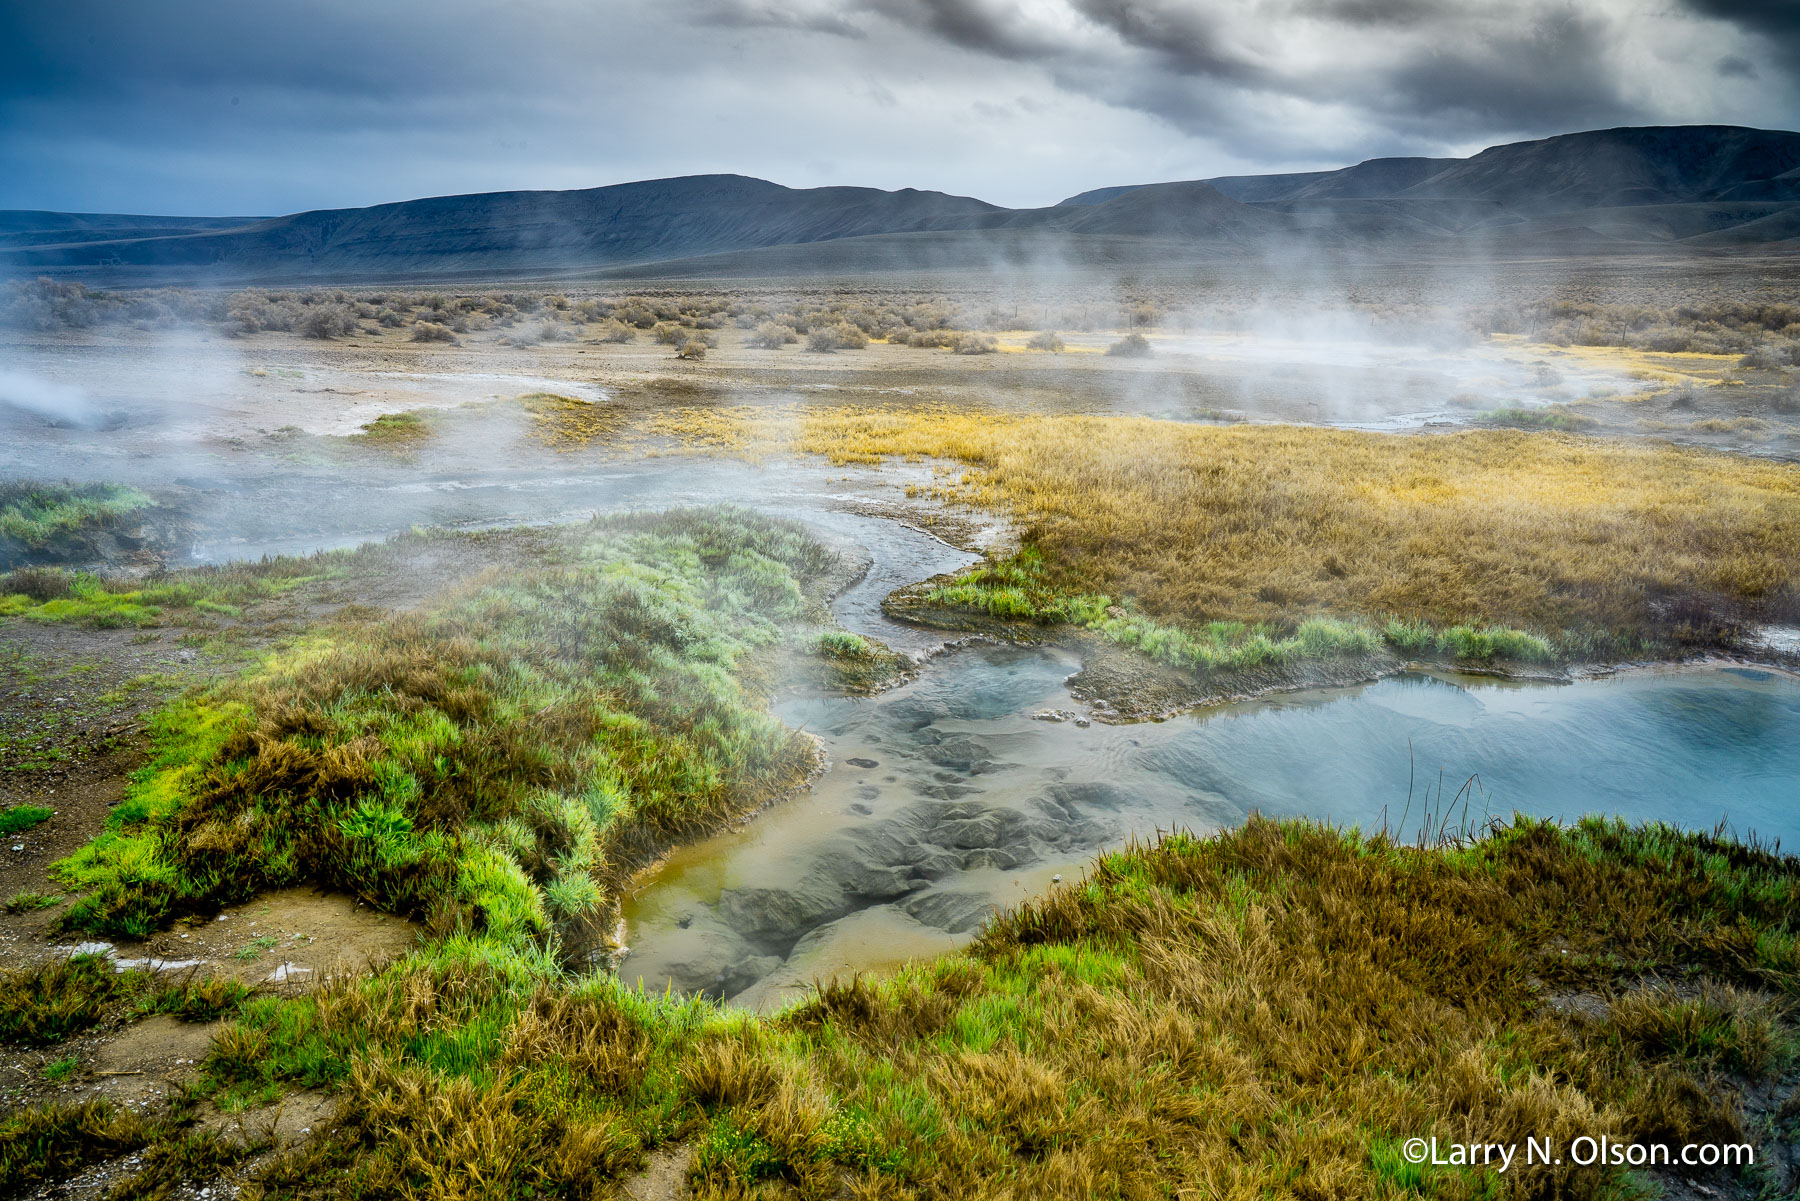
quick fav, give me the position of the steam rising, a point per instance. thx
(60, 404)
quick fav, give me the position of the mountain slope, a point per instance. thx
(636, 222)
(1610, 168)
(1720, 187)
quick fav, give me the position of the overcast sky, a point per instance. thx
(272, 106)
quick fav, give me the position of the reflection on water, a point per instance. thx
(948, 797)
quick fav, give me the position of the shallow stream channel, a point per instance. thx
(982, 783)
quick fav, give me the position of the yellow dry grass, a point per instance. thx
(1273, 522)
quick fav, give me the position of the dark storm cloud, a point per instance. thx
(1186, 38)
(204, 105)
(1551, 71)
(1776, 20)
(1294, 77)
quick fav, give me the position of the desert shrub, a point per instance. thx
(636, 312)
(1787, 401)
(976, 344)
(1044, 340)
(933, 337)
(1131, 346)
(325, 321)
(48, 304)
(849, 336)
(431, 331)
(1771, 355)
(254, 312)
(614, 330)
(551, 331)
(839, 336)
(770, 336)
(669, 333)
(692, 348)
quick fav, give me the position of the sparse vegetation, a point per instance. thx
(1132, 346)
(1762, 330)
(203, 1000)
(1045, 340)
(976, 344)
(61, 1069)
(27, 902)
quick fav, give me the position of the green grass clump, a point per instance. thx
(61, 1069)
(196, 1000)
(36, 514)
(492, 765)
(17, 818)
(851, 662)
(1469, 643)
(44, 1005)
(397, 430)
(26, 902)
(1552, 417)
(1021, 589)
